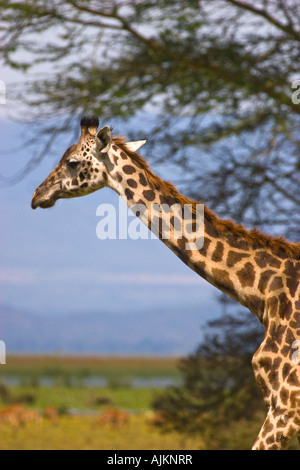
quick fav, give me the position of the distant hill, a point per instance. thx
(135, 333)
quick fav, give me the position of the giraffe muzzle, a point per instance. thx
(35, 203)
(39, 200)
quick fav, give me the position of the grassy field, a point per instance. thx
(119, 370)
(103, 419)
(89, 433)
(74, 400)
(92, 363)
(64, 413)
(116, 416)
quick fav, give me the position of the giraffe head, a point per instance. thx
(83, 169)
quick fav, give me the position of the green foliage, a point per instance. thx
(218, 382)
(88, 433)
(79, 424)
(216, 74)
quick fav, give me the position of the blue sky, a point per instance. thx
(52, 261)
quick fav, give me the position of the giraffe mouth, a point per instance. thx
(45, 198)
(43, 204)
(46, 204)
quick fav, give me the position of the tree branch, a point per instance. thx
(264, 14)
(125, 25)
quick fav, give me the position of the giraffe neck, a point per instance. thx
(231, 259)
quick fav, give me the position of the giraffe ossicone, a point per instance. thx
(259, 271)
(135, 146)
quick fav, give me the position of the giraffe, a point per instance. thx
(259, 271)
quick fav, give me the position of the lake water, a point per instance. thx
(91, 382)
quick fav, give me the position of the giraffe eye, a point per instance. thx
(73, 164)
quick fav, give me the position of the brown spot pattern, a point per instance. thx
(292, 271)
(263, 259)
(142, 180)
(149, 195)
(222, 279)
(132, 183)
(246, 275)
(129, 194)
(264, 279)
(276, 284)
(218, 252)
(234, 257)
(129, 169)
(205, 247)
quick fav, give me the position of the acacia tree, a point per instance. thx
(214, 75)
(211, 82)
(218, 391)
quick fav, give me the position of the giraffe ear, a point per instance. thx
(134, 146)
(104, 139)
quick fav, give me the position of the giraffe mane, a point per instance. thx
(278, 245)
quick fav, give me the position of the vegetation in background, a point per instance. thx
(89, 433)
(216, 75)
(218, 400)
(218, 383)
(70, 370)
(217, 407)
